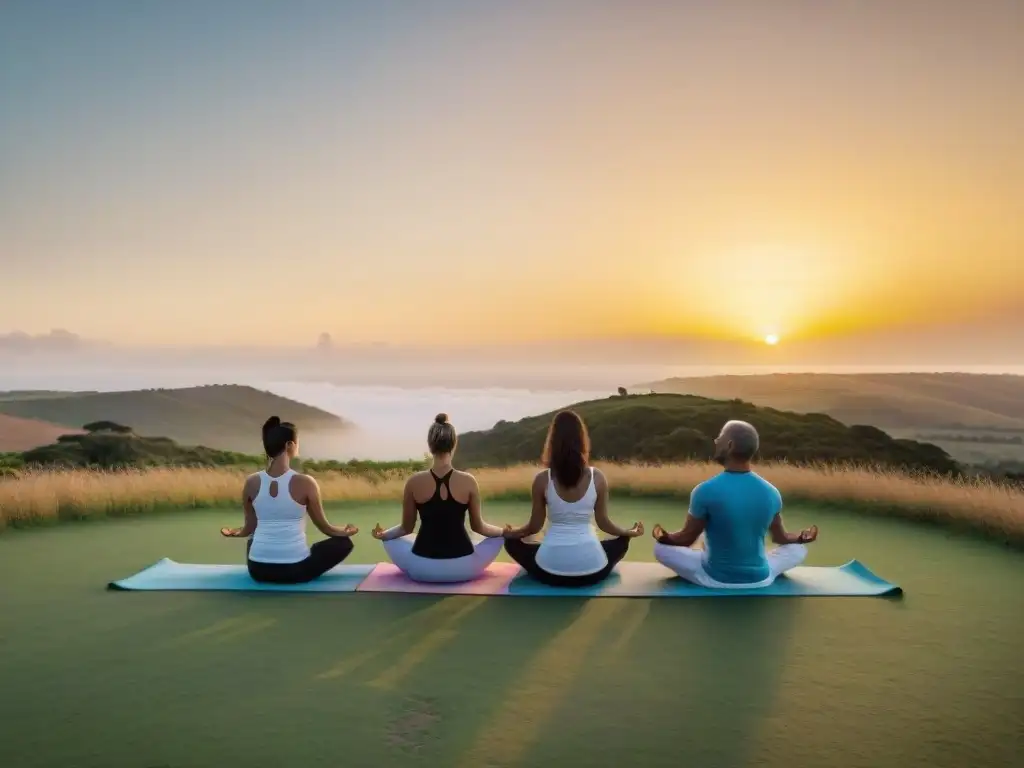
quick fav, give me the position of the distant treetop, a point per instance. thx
(107, 426)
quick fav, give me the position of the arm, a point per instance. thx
(693, 526)
(408, 524)
(538, 514)
(249, 490)
(686, 536)
(604, 522)
(315, 509)
(476, 519)
(781, 536)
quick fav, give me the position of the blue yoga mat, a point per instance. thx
(627, 580)
(654, 580)
(169, 575)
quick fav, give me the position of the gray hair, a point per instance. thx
(441, 437)
(743, 437)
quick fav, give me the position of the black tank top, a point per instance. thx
(442, 534)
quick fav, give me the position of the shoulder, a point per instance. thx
(252, 482)
(766, 484)
(416, 480)
(540, 480)
(415, 477)
(300, 480)
(599, 479)
(465, 479)
(707, 486)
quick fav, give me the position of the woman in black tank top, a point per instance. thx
(442, 550)
(442, 523)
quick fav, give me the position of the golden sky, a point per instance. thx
(484, 172)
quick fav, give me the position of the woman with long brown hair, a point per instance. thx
(574, 496)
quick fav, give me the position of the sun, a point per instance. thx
(771, 339)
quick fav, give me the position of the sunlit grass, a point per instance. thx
(38, 497)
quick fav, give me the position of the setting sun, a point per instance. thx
(771, 339)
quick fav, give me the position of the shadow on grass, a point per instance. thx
(692, 677)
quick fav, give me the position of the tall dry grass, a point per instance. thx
(987, 507)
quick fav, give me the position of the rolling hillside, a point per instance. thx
(227, 417)
(905, 401)
(18, 434)
(667, 427)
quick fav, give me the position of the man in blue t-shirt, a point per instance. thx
(735, 511)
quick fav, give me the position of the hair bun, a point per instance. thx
(441, 418)
(272, 422)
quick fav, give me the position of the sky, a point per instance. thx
(426, 173)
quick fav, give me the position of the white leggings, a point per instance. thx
(440, 571)
(689, 564)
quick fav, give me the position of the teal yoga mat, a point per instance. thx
(628, 580)
(655, 580)
(169, 575)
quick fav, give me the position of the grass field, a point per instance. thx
(99, 679)
(982, 506)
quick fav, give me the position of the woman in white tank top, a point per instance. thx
(276, 503)
(573, 497)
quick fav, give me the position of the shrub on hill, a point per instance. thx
(122, 448)
(661, 428)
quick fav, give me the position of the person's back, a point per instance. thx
(738, 508)
(572, 497)
(441, 551)
(275, 503)
(280, 535)
(570, 546)
(442, 532)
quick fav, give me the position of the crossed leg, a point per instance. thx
(688, 564)
(437, 570)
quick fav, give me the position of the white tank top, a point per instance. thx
(280, 535)
(571, 546)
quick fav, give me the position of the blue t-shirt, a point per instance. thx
(738, 508)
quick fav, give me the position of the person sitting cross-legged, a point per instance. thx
(275, 503)
(573, 497)
(442, 550)
(734, 511)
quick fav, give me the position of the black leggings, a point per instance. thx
(526, 555)
(323, 556)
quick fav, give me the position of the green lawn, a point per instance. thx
(107, 679)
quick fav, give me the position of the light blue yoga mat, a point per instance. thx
(655, 580)
(627, 580)
(169, 575)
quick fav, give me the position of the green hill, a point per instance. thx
(946, 401)
(226, 417)
(109, 445)
(975, 418)
(665, 427)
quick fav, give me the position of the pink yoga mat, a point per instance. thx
(387, 578)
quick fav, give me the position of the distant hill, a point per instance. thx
(18, 434)
(666, 427)
(109, 445)
(903, 401)
(226, 417)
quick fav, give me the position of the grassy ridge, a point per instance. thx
(219, 416)
(982, 506)
(888, 400)
(672, 428)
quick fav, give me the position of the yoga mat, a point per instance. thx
(388, 578)
(627, 580)
(169, 575)
(655, 580)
